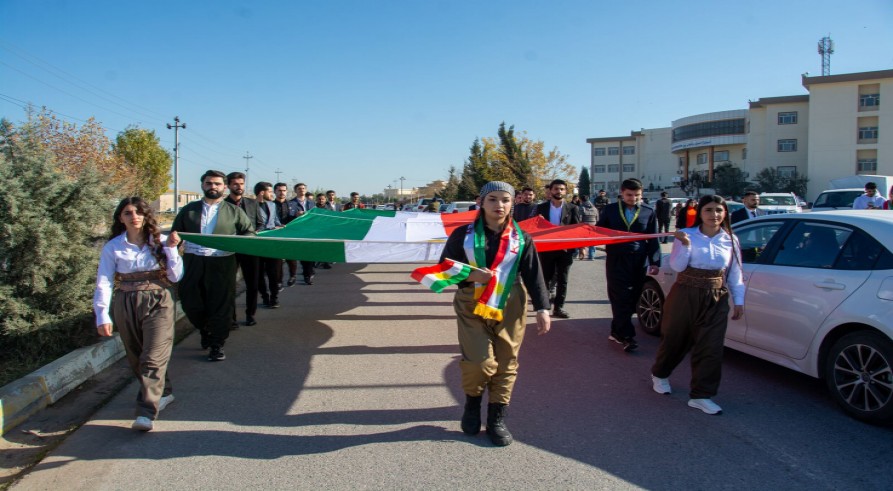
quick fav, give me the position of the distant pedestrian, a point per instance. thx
(332, 202)
(589, 215)
(685, 218)
(557, 264)
(270, 272)
(662, 208)
(139, 265)
(491, 307)
(627, 263)
(707, 259)
(524, 209)
(871, 200)
(751, 208)
(354, 202)
(601, 201)
(304, 202)
(287, 210)
(250, 265)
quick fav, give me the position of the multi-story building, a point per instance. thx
(850, 130)
(834, 131)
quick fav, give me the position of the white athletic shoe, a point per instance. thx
(142, 423)
(705, 405)
(661, 385)
(164, 401)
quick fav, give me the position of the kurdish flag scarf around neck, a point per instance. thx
(492, 296)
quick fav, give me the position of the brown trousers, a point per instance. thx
(145, 321)
(695, 319)
(490, 348)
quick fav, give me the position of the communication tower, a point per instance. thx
(826, 49)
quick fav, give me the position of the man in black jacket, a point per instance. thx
(303, 205)
(557, 264)
(627, 263)
(663, 208)
(250, 265)
(751, 209)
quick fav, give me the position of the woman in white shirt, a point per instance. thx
(140, 264)
(707, 258)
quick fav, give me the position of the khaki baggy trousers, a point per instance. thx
(490, 348)
(145, 321)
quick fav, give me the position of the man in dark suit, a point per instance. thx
(304, 205)
(557, 264)
(626, 264)
(249, 265)
(662, 207)
(751, 209)
(208, 287)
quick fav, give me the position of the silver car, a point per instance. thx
(819, 301)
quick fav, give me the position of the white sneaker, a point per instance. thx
(705, 405)
(142, 423)
(164, 401)
(661, 385)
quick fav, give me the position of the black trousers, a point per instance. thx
(269, 278)
(249, 266)
(663, 227)
(207, 294)
(307, 268)
(626, 275)
(292, 267)
(556, 267)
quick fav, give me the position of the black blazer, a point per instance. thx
(645, 223)
(741, 215)
(249, 206)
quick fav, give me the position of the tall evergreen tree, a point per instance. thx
(584, 186)
(451, 190)
(475, 172)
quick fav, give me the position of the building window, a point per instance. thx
(868, 133)
(866, 166)
(629, 167)
(702, 158)
(711, 128)
(598, 186)
(613, 186)
(681, 161)
(598, 169)
(629, 150)
(613, 150)
(869, 100)
(787, 171)
(613, 167)
(787, 118)
(721, 156)
(787, 145)
(744, 153)
(599, 151)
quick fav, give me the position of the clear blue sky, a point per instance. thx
(352, 95)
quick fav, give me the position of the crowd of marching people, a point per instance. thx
(139, 264)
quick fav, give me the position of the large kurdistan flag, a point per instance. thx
(378, 236)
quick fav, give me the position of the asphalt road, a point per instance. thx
(354, 384)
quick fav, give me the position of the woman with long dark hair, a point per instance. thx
(139, 264)
(707, 258)
(491, 306)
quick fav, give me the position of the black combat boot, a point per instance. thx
(471, 419)
(496, 428)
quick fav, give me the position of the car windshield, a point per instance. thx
(837, 199)
(777, 201)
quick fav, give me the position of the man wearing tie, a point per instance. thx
(751, 202)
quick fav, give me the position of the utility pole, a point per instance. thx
(247, 157)
(176, 126)
(401, 186)
(277, 174)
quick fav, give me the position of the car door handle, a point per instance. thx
(830, 285)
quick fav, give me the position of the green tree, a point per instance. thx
(151, 163)
(476, 171)
(49, 221)
(770, 181)
(728, 180)
(451, 190)
(514, 164)
(584, 186)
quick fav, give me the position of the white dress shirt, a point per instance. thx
(120, 256)
(710, 253)
(555, 213)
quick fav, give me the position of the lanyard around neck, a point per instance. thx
(628, 224)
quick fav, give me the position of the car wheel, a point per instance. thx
(650, 307)
(858, 374)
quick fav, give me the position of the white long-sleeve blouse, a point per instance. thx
(710, 253)
(120, 256)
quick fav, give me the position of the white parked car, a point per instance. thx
(774, 203)
(456, 207)
(819, 301)
(837, 199)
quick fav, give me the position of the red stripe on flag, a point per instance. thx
(420, 273)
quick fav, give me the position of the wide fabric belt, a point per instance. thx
(142, 281)
(701, 278)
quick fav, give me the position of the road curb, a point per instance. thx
(24, 397)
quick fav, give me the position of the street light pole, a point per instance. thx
(176, 127)
(401, 185)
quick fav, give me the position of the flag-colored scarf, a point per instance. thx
(492, 296)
